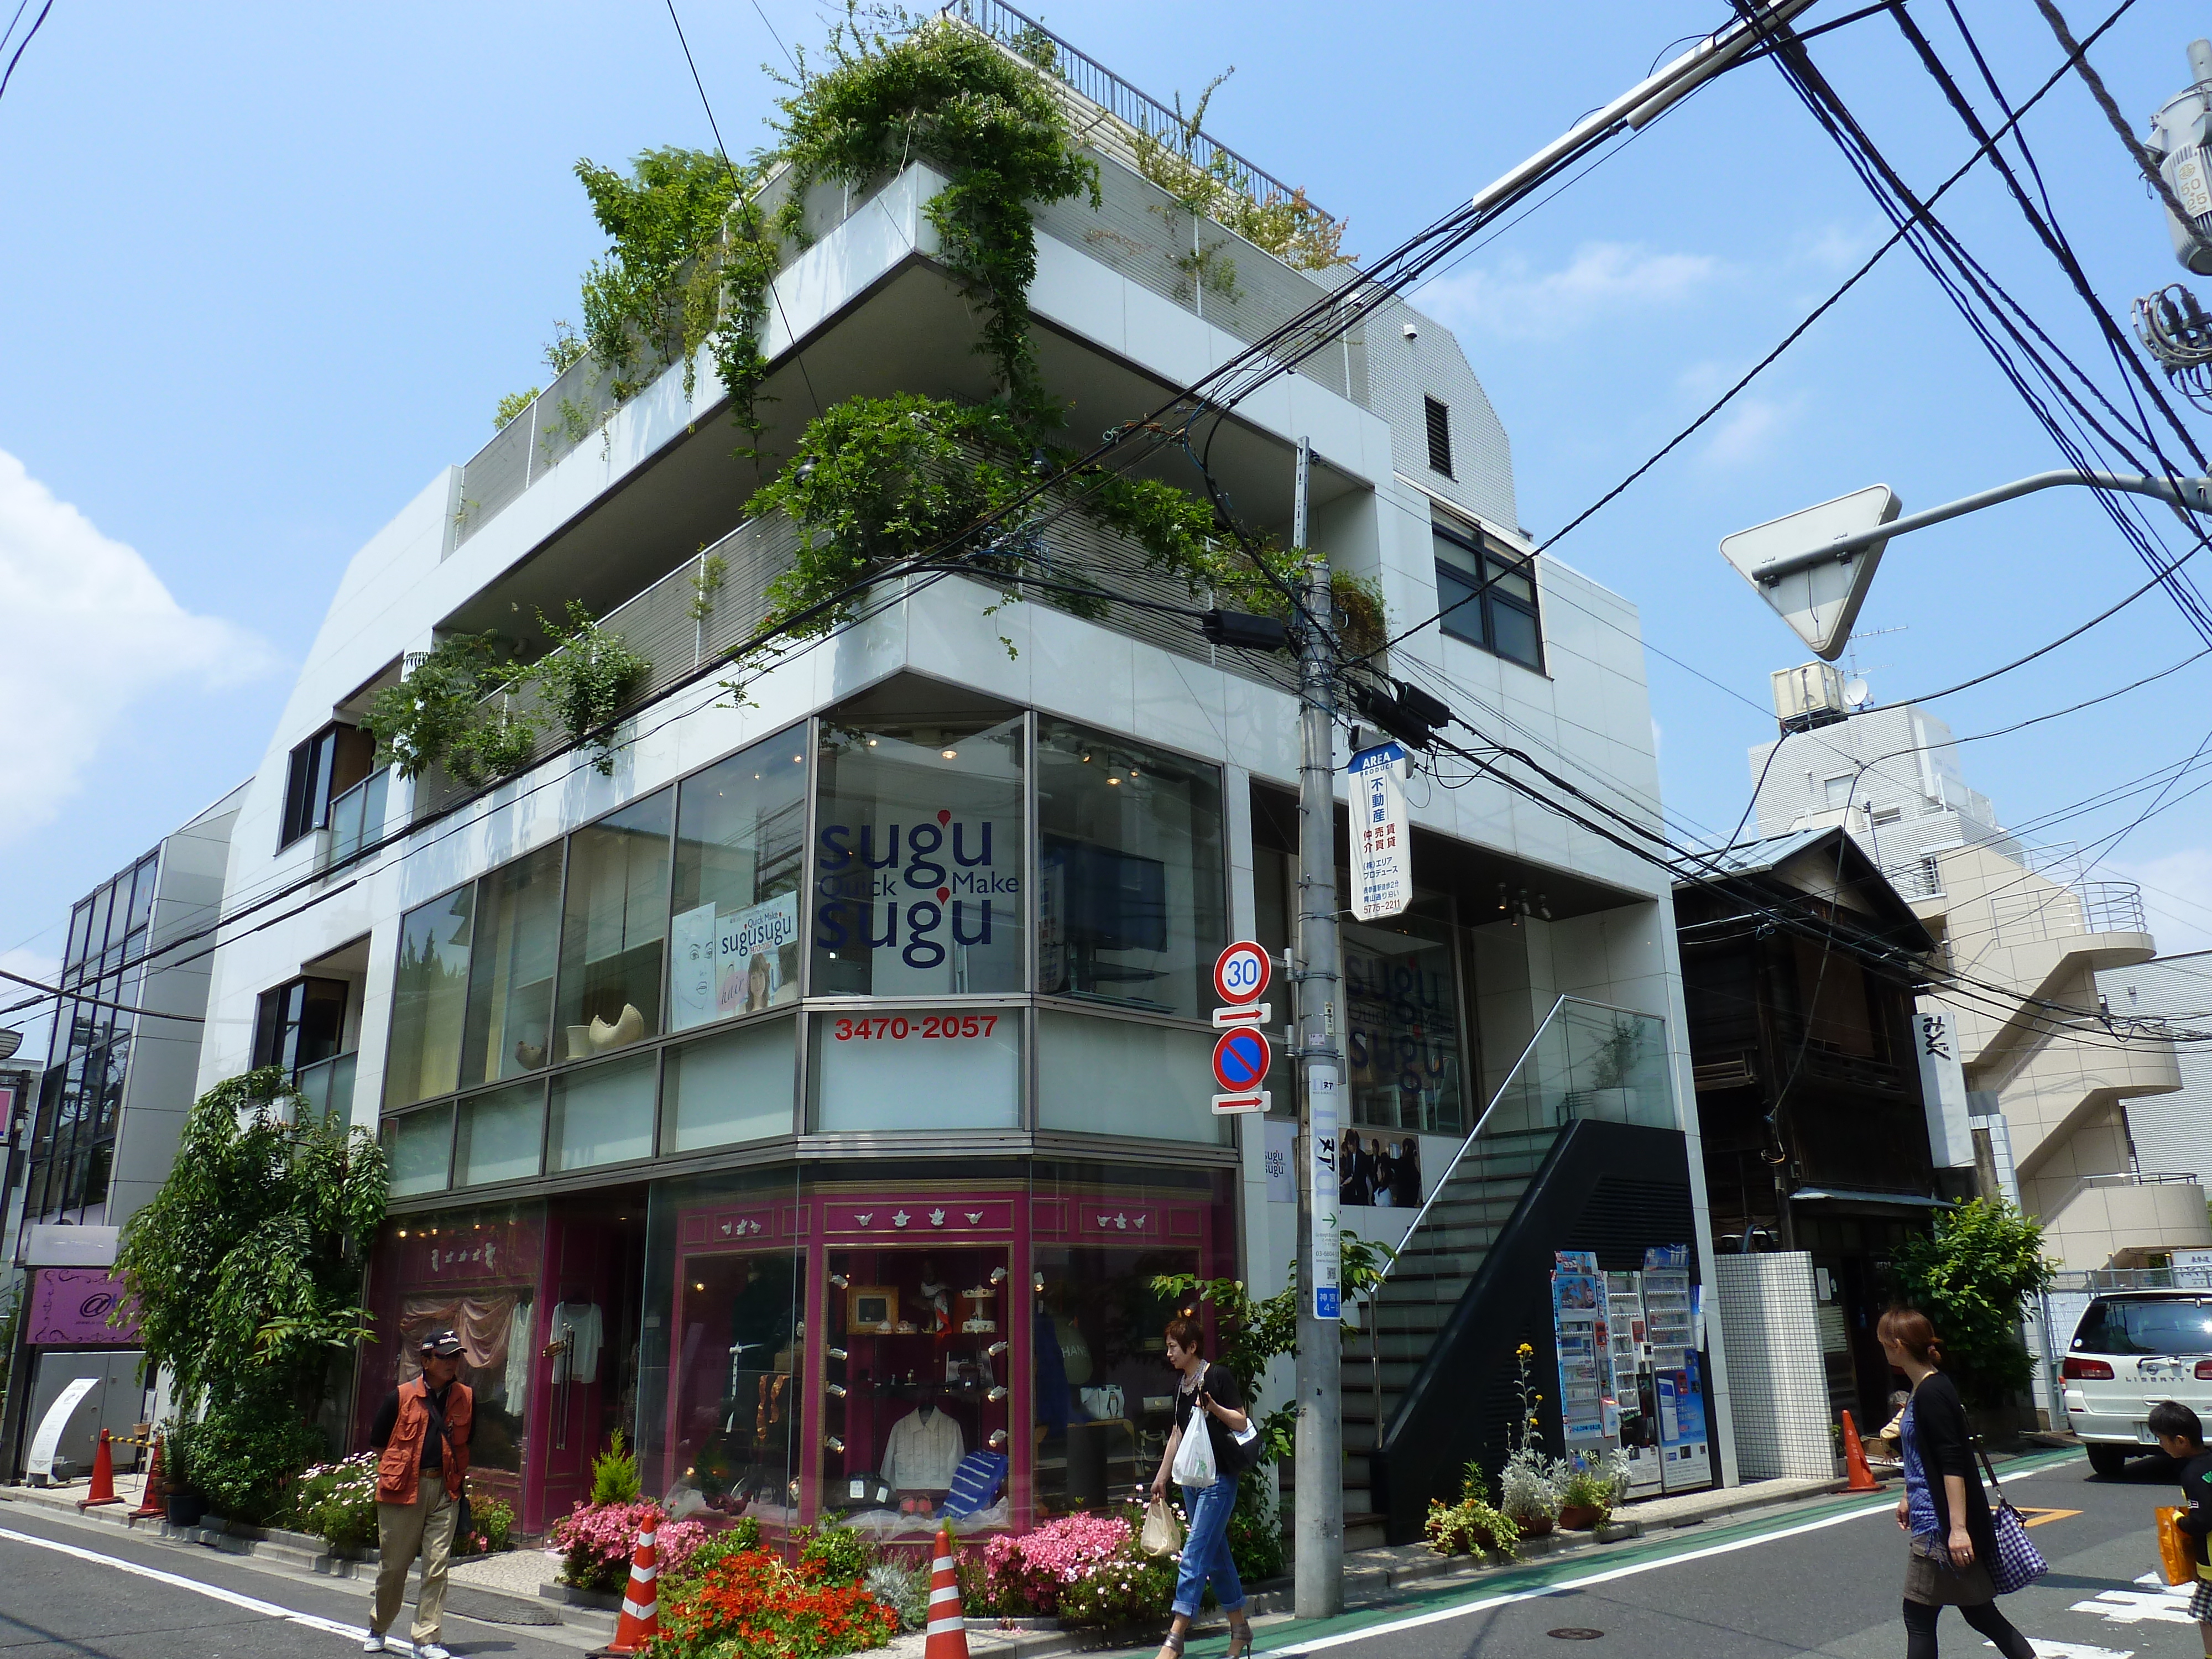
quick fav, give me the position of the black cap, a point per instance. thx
(445, 1345)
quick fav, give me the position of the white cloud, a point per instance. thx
(1748, 429)
(92, 632)
(1603, 282)
(2177, 898)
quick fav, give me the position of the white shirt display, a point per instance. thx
(924, 1448)
(518, 1354)
(579, 1322)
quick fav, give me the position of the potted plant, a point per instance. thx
(1470, 1527)
(1611, 1094)
(1528, 1484)
(1585, 1499)
(184, 1503)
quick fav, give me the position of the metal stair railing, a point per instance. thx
(1588, 1060)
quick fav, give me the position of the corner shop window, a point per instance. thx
(917, 1380)
(612, 934)
(427, 1000)
(919, 859)
(1130, 885)
(732, 1087)
(740, 835)
(517, 934)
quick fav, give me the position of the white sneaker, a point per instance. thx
(432, 1650)
(373, 1645)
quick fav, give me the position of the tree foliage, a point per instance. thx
(655, 294)
(437, 714)
(1973, 1276)
(245, 1273)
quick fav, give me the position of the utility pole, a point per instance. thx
(1319, 1522)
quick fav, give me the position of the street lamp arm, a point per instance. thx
(2192, 495)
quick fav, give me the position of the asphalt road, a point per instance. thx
(94, 1592)
(1822, 1579)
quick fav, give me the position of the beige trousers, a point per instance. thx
(424, 1527)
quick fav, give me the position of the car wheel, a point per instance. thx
(2108, 1460)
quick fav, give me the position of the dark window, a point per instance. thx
(1439, 419)
(1487, 597)
(300, 1023)
(323, 767)
(2146, 1327)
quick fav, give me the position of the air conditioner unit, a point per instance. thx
(1809, 696)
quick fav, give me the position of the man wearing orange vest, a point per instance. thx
(422, 1431)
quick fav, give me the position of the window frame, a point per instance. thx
(1435, 420)
(311, 778)
(1486, 591)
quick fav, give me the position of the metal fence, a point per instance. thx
(1028, 37)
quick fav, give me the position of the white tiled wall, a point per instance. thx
(1777, 1382)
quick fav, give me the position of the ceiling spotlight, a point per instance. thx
(952, 754)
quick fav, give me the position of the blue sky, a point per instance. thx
(268, 268)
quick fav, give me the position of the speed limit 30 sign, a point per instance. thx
(1242, 1056)
(1240, 973)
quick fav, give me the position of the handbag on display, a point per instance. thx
(1163, 1533)
(2019, 1562)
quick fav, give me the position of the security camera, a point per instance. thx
(1412, 333)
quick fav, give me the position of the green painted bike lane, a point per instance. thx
(1507, 1584)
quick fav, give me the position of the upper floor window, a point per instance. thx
(300, 1022)
(1438, 416)
(322, 768)
(1487, 596)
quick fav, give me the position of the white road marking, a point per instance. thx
(2159, 1601)
(2072, 1651)
(251, 1604)
(1883, 1506)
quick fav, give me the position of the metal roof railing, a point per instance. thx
(1021, 34)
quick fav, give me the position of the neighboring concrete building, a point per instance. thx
(121, 1073)
(2029, 934)
(2172, 1133)
(1810, 1104)
(844, 1051)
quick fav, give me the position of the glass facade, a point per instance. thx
(741, 853)
(510, 1007)
(430, 997)
(918, 858)
(613, 928)
(79, 1104)
(1405, 1043)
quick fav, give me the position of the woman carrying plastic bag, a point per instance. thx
(1206, 1465)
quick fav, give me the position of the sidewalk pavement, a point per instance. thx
(506, 1588)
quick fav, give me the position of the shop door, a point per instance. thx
(587, 1358)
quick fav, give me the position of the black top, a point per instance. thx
(2196, 1492)
(1939, 1427)
(433, 1443)
(1219, 1382)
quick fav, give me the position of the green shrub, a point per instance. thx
(1972, 1276)
(337, 1502)
(839, 1554)
(614, 1475)
(1127, 1588)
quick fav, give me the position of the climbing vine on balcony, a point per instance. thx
(897, 89)
(438, 716)
(588, 679)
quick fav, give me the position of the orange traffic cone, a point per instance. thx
(103, 1477)
(1855, 1459)
(948, 1630)
(149, 1501)
(641, 1609)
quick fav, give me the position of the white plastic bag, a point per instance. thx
(1193, 1458)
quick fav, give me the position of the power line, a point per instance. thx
(26, 46)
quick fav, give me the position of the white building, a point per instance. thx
(765, 1183)
(2051, 1076)
(2173, 1133)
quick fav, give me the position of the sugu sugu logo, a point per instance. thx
(946, 878)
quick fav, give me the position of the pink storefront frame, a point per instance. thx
(830, 1217)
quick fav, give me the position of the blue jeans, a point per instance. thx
(1206, 1550)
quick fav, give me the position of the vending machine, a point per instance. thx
(1631, 1370)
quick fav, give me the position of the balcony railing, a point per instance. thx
(356, 819)
(327, 1087)
(1029, 38)
(2088, 906)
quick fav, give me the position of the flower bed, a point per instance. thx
(337, 1502)
(749, 1604)
(597, 1541)
(1085, 1570)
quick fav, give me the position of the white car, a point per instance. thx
(2133, 1349)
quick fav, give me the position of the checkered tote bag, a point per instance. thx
(2019, 1562)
